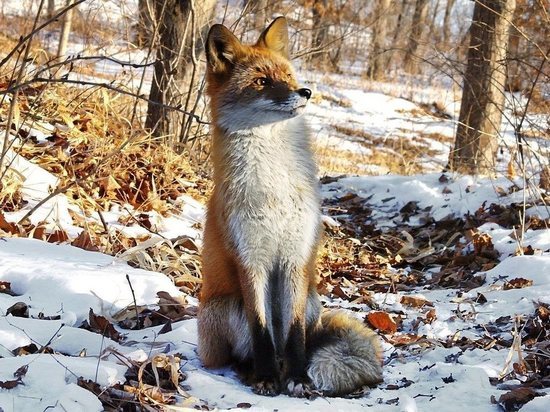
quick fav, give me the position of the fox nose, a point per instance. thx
(304, 92)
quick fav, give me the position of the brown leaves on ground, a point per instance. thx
(19, 374)
(5, 287)
(39, 231)
(517, 283)
(100, 324)
(170, 309)
(382, 321)
(415, 301)
(153, 384)
(114, 161)
(11, 197)
(516, 398)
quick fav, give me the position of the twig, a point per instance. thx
(108, 86)
(37, 29)
(13, 102)
(135, 303)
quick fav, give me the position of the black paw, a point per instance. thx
(266, 388)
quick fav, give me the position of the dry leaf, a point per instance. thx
(5, 287)
(102, 326)
(84, 241)
(516, 398)
(382, 321)
(11, 384)
(404, 339)
(415, 301)
(517, 283)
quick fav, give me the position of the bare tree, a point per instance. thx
(259, 8)
(65, 30)
(377, 57)
(476, 141)
(146, 11)
(410, 62)
(446, 21)
(50, 11)
(319, 35)
(181, 28)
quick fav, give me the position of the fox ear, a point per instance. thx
(222, 48)
(275, 37)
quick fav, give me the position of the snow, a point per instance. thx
(50, 382)
(65, 281)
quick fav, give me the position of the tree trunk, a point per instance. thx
(433, 19)
(259, 8)
(146, 10)
(181, 33)
(401, 8)
(65, 30)
(446, 21)
(377, 57)
(513, 75)
(483, 92)
(51, 9)
(319, 31)
(410, 63)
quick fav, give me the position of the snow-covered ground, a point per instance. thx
(64, 281)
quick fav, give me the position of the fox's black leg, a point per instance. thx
(266, 371)
(295, 351)
(297, 382)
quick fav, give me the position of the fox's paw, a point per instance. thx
(300, 388)
(266, 388)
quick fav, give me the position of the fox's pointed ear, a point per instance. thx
(222, 48)
(275, 37)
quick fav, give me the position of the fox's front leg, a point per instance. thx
(295, 295)
(266, 380)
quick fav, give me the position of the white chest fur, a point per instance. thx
(270, 194)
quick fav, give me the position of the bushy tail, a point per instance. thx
(344, 355)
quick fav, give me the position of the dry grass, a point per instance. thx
(106, 161)
(11, 198)
(400, 155)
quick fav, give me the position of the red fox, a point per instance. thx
(259, 303)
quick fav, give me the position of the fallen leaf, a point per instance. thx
(516, 398)
(5, 287)
(174, 308)
(19, 309)
(57, 236)
(84, 241)
(101, 325)
(431, 316)
(382, 321)
(517, 283)
(404, 339)
(415, 301)
(21, 371)
(449, 379)
(11, 384)
(6, 226)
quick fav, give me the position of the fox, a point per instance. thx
(259, 306)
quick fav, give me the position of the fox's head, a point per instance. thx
(252, 84)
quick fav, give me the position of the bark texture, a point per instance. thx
(476, 141)
(65, 30)
(182, 29)
(410, 63)
(378, 61)
(319, 35)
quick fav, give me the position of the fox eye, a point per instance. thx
(261, 81)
